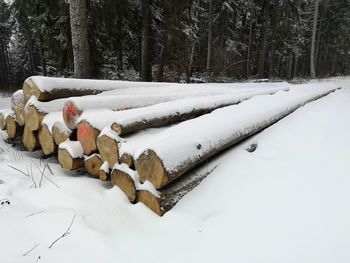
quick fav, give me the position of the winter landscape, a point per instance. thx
(174, 131)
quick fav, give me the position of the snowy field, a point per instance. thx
(285, 202)
(5, 101)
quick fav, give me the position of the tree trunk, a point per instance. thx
(261, 61)
(313, 41)
(210, 36)
(146, 67)
(80, 41)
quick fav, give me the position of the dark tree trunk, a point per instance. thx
(80, 41)
(146, 64)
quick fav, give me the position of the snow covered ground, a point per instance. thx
(5, 102)
(285, 202)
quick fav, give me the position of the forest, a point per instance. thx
(178, 41)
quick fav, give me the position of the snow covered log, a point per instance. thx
(126, 179)
(166, 113)
(87, 136)
(3, 116)
(93, 164)
(30, 140)
(163, 200)
(17, 105)
(13, 128)
(70, 155)
(35, 111)
(184, 146)
(49, 88)
(61, 133)
(107, 145)
(74, 107)
(104, 173)
(46, 141)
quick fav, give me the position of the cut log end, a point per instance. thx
(127, 159)
(150, 167)
(103, 175)
(125, 183)
(30, 89)
(31, 140)
(92, 165)
(60, 136)
(14, 130)
(71, 114)
(151, 201)
(87, 136)
(33, 119)
(108, 149)
(68, 162)
(2, 121)
(46, 141)
(117, 128)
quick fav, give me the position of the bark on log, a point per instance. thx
(14, 130)
(46, 141)
(122, 179)
(17, 105)
(30, 140)
(150, 165)
(68, 162)
(108, 149)
(33, 118)
(170, 195)
(87, 136)
(92, 165)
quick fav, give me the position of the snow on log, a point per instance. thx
(30, 140)
(182, 147)
(115, 101)
(126, 179)
(46, 141)
(35, 111)
(93, 164)
(163, 200)
(17, 105)
(3, 116)
(48, 88)
(104, 173)
(70, 155)
(61, 133)
(13, 128)
(107, 144)
(87, 136)
(163, 114)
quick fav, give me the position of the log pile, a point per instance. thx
(145, 139)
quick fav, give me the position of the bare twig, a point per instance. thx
(18, 170)
(30, 250)
(65, 233)
(38, 259)
(33, 214)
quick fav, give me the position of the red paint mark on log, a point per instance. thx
(70, 111)
(85, 136)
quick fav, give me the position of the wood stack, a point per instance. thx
(168, 130)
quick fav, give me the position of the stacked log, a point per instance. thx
(14, 130)
(17, 106)
(71, 155)
(3, 115)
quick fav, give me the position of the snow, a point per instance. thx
(45, 107)
(74, 148)
(285, 202)
(5, 102)
(107, 131)
(161, 110)
(105, 167)
(188, 141)
(17, 99)
(54, 118)
(86, 158)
